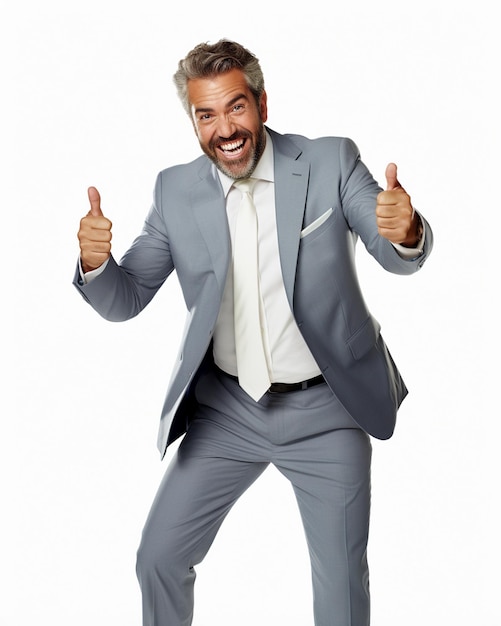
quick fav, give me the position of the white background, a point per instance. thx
(87, 99)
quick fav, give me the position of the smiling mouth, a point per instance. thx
(232, 148)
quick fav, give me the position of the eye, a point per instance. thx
(237, 108)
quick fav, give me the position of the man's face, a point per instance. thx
(228, 122)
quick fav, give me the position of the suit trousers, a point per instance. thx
(313, 442)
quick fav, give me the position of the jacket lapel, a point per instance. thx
(208, 205)
(291, 185)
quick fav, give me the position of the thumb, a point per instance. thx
(391, 177)
(95, 202)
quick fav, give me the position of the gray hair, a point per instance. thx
(208, 60)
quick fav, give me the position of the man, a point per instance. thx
(281, 361)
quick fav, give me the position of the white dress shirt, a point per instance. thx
(289, 358)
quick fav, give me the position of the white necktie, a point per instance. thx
(251, 360)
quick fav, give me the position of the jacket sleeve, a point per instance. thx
(124, 289)
(359, 192)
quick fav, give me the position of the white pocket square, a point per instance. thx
(315, 224)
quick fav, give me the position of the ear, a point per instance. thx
(263, 107)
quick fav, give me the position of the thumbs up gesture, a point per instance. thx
(395, 217)
(94, 234)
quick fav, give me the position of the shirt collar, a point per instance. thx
(264, 168)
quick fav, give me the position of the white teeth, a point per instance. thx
(230, 147)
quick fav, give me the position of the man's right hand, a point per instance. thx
(94, 234)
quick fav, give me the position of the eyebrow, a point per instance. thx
(229, 104)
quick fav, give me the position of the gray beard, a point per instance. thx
(251, 166)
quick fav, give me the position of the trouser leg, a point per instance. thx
(330, 474)
(191, 504)
(312, 441)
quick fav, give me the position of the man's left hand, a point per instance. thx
(395, 217)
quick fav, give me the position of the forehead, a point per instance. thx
(217, 90)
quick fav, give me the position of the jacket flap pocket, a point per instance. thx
(364, 338)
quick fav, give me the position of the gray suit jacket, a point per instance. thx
(186, 230)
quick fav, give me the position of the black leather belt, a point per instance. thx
(284, 387)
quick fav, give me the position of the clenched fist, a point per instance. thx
(94, 234)
(395, 217)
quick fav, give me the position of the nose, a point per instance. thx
(225, 127)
